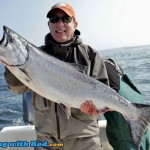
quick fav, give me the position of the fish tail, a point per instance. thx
(139, 126)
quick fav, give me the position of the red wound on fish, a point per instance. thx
(88, 108)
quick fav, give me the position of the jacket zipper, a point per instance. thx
(58, 123)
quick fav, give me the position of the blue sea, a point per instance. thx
(135, 62)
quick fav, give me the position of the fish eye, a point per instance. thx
(10, 39)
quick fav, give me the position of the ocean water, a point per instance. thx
(135, 62)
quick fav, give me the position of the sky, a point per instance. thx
(104, 24)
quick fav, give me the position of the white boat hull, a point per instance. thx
(26, 134)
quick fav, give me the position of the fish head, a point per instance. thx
(13, 48)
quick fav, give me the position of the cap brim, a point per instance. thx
(53, 11)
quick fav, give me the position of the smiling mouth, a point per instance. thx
(60, 31)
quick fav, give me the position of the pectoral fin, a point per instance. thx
(67, 110)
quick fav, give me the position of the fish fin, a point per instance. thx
(25, 75)
(67, 110)
(139, 126)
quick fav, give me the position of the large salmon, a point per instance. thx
(61, 83)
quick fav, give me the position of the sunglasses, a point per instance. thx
(64, 19)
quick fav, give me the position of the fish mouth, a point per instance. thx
(8, 39)
(3, 43)
(4, 40)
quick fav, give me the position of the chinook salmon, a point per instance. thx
(63, 84)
